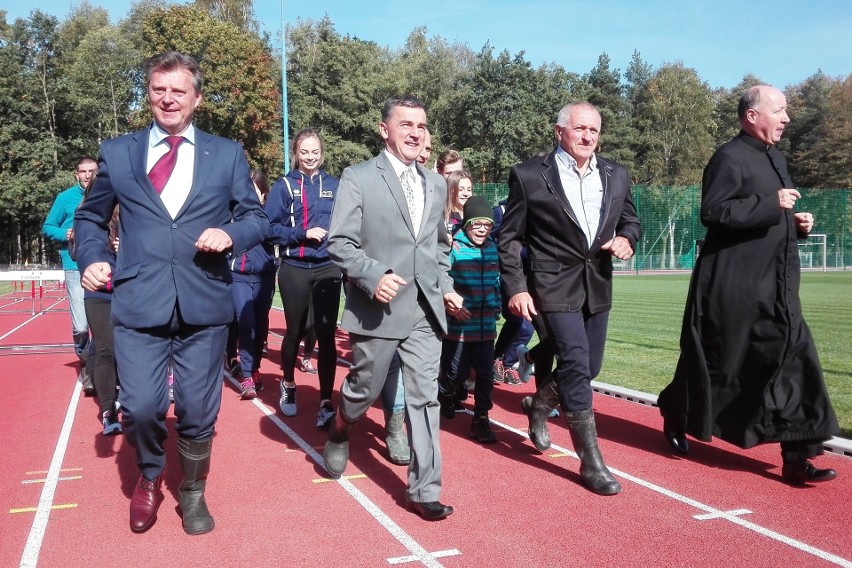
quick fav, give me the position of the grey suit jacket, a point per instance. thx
(371, 235)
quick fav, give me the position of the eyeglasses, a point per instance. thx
(476, 225)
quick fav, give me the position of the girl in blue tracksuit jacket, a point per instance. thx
(299, 209)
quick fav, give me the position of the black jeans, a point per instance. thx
(457, 359)
(310, 294)
(98, 312)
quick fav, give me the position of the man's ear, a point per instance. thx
(751, 115)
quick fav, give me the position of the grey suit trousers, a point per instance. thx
(420, 355)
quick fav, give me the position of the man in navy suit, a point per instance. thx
(185, 199)
(573, 211)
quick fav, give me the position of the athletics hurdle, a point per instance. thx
(33, 276)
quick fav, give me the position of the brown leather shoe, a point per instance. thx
(803, 472)
(144, 504)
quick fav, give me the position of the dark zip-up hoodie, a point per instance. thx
(296, 205)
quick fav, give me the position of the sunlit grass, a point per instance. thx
(644, 330)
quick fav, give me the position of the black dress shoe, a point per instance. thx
(675, 437)
(432, 510)
(803, 471)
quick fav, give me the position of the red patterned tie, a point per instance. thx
(162, 170)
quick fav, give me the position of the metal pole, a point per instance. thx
(285, 114)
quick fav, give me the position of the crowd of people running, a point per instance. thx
(183, 276)
(299, 206)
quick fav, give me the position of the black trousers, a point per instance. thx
(800, 450)
(578, 340)
(98, 313)
(542, 353)
(457, 359)
(310, 293)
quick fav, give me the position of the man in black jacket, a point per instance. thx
(573, 211)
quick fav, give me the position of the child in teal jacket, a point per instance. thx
(469, 342)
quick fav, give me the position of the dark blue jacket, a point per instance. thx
(259, 259)
(296, 205)
(158, 261)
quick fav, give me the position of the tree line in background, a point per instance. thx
(67, 85)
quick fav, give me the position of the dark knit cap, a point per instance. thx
(477, 207)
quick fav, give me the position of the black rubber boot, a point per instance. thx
(584, 436)
(447, 398)
(336, 452)
(195, 461)
(538, 408)
(396, 438)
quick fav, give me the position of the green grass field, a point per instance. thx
(644, 329)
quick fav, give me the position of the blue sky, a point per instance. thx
(783, 42)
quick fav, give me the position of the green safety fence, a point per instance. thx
(671, 223)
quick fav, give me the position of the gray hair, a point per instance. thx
(749, 100)
(565, 112)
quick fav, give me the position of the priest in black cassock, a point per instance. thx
(748, 371)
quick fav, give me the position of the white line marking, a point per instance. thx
(29, 559)
(438, 554)
(25, 323)
(419, 553)
(16, 301)
(20, 326)
(722, 515)
(827, 556)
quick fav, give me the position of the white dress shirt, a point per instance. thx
(583, 191)
(176, 191)
(417, 185)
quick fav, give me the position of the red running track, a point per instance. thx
(65, 488)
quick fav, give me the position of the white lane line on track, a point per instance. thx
(710, 511)
(418, 553)
(439, 554)
(39, 314)
(722, 515)
(29, 558)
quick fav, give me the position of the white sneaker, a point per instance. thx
(525, 368)
(287, 402)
